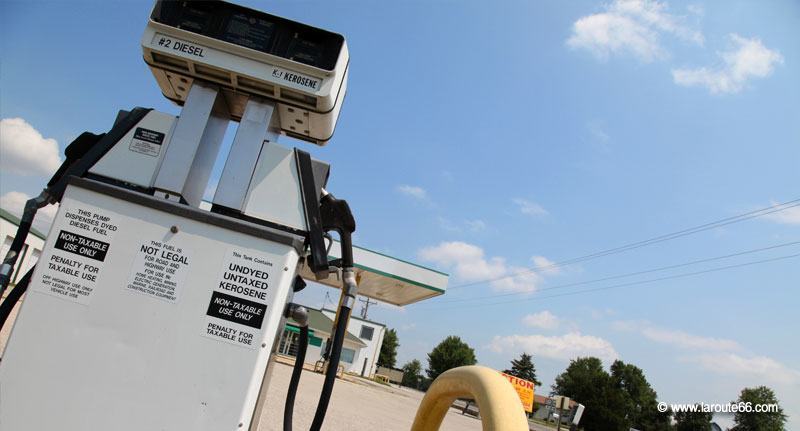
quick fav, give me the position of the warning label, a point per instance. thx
(236, 310)
(81, 245)
(146, 142)
(77, 257)
(238, 305)
(89, 221)
(159, 270)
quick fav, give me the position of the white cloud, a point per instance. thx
(625, 325)
(529, 208)
(408, 326)
(568, 346)
(467, 260)
(412, 191)
(447, 224)
(469, 264)
(470, 225)
(518, 279)
(476, 225)
(688, 341)
(14, 202)
(788, 216)
(544, 265)
(760, 368)
(747, 59)
(676, 338)
(696, 9)
(24, 151)
(601, 314)
(630, 26)
(605, 33)
(598, 133)
(543, 320)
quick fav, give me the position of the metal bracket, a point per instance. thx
(259, 123)
(195, 144)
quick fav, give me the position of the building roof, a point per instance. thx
(355, 317)
(319, 322)
(14, 219)
(542, 400)
(385, 278)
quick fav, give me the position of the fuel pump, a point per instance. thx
(147, 312)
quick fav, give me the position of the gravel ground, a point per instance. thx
(356, 405)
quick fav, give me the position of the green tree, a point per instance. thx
(412, 374)
(450, 353)
(640, 400)
(761, 421)
(586, 382)
(524, 369)
(693, 421)
(388, 355)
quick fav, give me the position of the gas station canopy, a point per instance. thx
(386, 278)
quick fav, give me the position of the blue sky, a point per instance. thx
(483, 138)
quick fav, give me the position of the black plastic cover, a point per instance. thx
(252, 29)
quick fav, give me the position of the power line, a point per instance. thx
(629, 274)
(634, 283)
(638, 244)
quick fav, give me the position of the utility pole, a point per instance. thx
(365, 307)
(326, 300)
(562, 403)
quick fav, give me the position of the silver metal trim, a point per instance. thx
(195, 143)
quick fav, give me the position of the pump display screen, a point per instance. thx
(252, 29)
(255, 33)
(195, 19)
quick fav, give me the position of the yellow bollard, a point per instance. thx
(498, 402)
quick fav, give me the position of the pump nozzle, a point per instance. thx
(336, 216)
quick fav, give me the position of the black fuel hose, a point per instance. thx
(25, 223)
(14, 296)
(300, 359)
(333, 366)
(336, 216)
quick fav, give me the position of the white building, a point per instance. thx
(371, 334)
(360, 349)
(319, 331)
(30, 251)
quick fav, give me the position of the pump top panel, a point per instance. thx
(250, 54)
